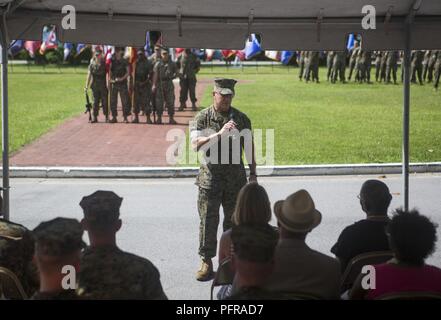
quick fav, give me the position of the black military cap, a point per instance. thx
(101, 207)
(58, 237)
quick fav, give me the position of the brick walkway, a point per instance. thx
(79, 143)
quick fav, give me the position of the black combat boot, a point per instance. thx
(171, 120)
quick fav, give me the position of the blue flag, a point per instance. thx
(147, 47)
(252, 47)
(67, 49)
(351, 40)
(286, 56)
(16, 47)
(80, 48)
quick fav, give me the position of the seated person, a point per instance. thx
(58, 244)
(299, 269)
(107, 272)
(16, 252)
(369, 234)
(252, 208)
(253, 261)
(412, 239)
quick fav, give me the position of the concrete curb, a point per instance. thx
(185, 172)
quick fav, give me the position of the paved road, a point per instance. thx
(160, 219)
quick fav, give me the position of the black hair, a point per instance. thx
(375, 197)
(412, 236)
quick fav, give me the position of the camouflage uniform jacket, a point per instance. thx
(110, 273)
(97, 69)
(218, 175)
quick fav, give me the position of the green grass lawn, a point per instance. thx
(313, 123)
(340, 123)
(42, 98)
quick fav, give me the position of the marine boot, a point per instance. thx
(136, 120)
(182, 106)
(193, 107)
(126, 120)
(205, 273)
(94, 119)
(159, 120)
(171, 120)
(149, 120)
(113, 120)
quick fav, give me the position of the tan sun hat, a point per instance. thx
(297, 213)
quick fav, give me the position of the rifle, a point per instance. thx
(88, 106)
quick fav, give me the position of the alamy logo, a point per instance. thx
(368, 21)
(69, 21)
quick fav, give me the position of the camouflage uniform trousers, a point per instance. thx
(123, 91)
(437, 75)
(329, 62)
(363, 72)
(338, 71)
(301, 68)
(165, 94)
(188, 86)
(391, 68)
(142, 98)
(416, 72)
(209, 202)
(100, 95)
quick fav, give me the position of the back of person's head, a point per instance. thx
(58, 242)
(101, 212)
(252, 206)
(375, 197)
(412, 236)
(254, 244)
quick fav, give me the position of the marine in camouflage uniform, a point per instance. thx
(188, 65)
(107, 272)
(437, 71)
(312, 68)
(377, 64)
(301, 63)
(329, 62)
(339, 66)
(427, 54)
(119, 72)
(143, 74)
(353, 60)
(16, 252)
(96, 79)
(383, 67)
(392, 66)
(364, 66)
(165, 70)
(416, 66)
(431, 64)
(222, 174)
(58, 243)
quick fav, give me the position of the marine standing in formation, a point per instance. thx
(97, 80)
(143, 76)
(165, 70)
(189, 65)
(119, 74)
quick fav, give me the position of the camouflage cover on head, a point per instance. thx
(101, 207)
(224, 86)
(58, 237)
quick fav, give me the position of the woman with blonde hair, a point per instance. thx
(252, 208)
